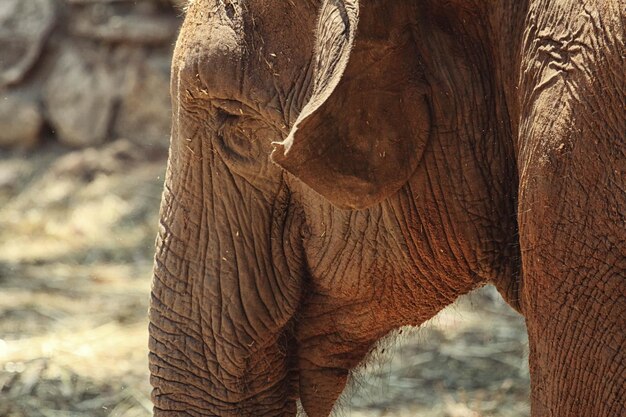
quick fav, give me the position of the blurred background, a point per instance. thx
(84, 128)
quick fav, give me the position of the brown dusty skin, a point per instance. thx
(428, 148)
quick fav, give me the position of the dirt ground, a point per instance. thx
(76, 242)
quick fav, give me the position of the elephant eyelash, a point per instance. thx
(232, 110)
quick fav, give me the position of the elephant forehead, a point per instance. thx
(251, 51)
(210, 37)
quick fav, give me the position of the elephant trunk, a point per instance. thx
(222, 296)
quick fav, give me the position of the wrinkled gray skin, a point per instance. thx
(340, 168)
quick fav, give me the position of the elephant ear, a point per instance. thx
(355, 142)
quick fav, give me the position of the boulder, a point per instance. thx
(24, 27)
(20, 121)
(154, 30)
(79, 96)
(145, 111)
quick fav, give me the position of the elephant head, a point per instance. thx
(341, 168)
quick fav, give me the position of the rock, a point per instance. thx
(24, 27)
(145, 111)
(20, 122)
(79, 96)
(128, 29)
(86, 164)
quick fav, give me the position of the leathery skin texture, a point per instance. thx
(341, 168)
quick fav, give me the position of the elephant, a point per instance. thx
(339, 169)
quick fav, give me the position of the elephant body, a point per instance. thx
(341, 168)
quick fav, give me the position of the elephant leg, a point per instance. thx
(574, 302)
(572, 210)
(574, 287)
(574, 296)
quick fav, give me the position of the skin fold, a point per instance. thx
(341, 168)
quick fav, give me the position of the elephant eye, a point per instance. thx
(230, 111)
(229, 108)
(241, 136)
